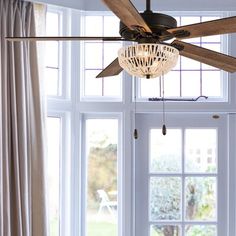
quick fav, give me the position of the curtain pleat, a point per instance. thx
(22, 183)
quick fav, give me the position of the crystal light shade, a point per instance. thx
(147, 59)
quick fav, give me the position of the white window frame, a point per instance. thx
(192, 121)
(224, 49)
(74, 109)
(83, 97)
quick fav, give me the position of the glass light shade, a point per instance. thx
(148, 60)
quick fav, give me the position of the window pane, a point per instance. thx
(101, 140)
(191, 83)
(200, 230)
(200, 198)
(201, 151)
(93, 85)
(208, 79)
(172, 84)
(52, 55)
(149, 87)
(93, 25)
(93, 55)
(189, 64)
(165, 198)
(51, 81)
(112, 86)
(110, 52)
(52, 26)
(111, 26)
(53, 173)
(165, 151)
(165, 230)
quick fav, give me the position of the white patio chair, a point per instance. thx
(106, 203)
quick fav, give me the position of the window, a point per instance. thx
(102, 184)
(180, 193)
(190, 78)
(53, 170)
(53, 67)
(98, 55)
(92, 160)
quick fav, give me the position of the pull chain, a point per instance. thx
(164, 131)
(135, 98)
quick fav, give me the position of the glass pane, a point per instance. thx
(172, 84)
(190, 83)
(165, 198)
(112, 86)
(51, 81)
(53, 173)
(52, 54)
(111, 26)
(200, 198)
(189, 64)
(208, 79)
(101, 146)
(52, 24)
(93, 25)
(200, 230)
(165, 230)
(149, 87)
(93, 55)
(110, 52)
(165, 151)
(201, 151)
(93, 85)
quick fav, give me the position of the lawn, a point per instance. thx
(101, 228)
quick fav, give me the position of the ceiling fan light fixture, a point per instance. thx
(148, 60)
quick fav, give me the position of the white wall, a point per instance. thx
(164, 5)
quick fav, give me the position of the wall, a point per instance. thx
(164, 5)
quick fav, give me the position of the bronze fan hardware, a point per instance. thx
(158, 28)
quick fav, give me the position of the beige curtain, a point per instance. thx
(22, 187)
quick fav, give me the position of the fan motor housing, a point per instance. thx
(157, 22)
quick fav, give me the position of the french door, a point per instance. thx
(181, 178)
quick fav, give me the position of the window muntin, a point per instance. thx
(181, 195)
(98, 55)
(102, 165)
(190, 78)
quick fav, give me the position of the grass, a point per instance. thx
(101, 228)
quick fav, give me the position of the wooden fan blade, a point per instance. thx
(112, 69)
(62, 38)
(127, 13)
(206, 56)
(208, 28)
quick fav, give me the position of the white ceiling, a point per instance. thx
(163, 5)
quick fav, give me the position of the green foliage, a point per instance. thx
(102, 171)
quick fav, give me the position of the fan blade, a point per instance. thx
(113, 69)
(208, 28)
(62, 38)
(128, 14)
(206, 56)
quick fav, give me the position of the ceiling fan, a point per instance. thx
(152, 56)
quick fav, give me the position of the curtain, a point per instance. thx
(22, 183)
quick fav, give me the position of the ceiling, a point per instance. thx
(163, 5)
